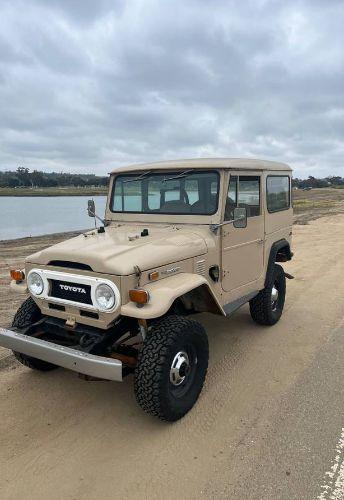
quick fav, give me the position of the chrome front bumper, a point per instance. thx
(78, 361)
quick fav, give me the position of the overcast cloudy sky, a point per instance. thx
(87, 85)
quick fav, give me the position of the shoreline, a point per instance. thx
(48, 236)
(299, 219)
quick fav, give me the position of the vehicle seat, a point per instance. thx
(199, 207)
(176, 206)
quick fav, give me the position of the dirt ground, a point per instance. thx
(310, 205)
(64, 438)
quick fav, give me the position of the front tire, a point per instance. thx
(267, 307)
(172, 367)
(27, 314)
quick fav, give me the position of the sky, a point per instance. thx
(88, 85)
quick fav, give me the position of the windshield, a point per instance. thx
(181, 192)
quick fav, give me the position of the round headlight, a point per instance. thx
(35, 283)
(105, 297)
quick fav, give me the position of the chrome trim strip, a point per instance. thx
(78, 361)
(93, 281)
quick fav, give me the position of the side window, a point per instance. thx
(231, 201)
(278, 192)
(249, 194)
(243, 191)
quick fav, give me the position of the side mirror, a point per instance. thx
(240, 217)
(91, 208)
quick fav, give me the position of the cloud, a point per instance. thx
(87, 86)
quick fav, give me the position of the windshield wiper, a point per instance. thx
(137, 178)
(178, 176)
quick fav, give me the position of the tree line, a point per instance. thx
(23, 177)
(313, 182)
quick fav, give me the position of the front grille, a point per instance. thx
(70, 291)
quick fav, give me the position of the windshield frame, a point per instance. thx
(166, 173)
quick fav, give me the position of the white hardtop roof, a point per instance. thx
(199, 163)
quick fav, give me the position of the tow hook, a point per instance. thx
(70, 323)
(289, 276)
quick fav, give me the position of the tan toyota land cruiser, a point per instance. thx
(178, 238)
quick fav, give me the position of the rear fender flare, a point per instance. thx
(275, 248)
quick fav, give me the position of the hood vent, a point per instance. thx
(70, 265)
(200, 267)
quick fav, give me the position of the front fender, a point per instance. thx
(19, 287)
(164, 292)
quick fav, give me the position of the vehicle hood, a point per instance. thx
(119, 249)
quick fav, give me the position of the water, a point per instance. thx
(35, 216)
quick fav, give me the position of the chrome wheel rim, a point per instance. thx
(274, 298)
(180, 368)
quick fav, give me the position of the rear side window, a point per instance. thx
(278, 192)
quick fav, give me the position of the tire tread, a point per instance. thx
(149, 371)
(260, 306)
(27, 314)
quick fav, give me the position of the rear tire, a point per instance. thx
(172, 367)
(267, 307)
(27, 314)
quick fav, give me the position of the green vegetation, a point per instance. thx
(313, 182)
(23, 178)
(305, 205)
(54, 191)
(317, 202)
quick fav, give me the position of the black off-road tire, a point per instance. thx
(27, 314)
(154, 391)
(263, 310)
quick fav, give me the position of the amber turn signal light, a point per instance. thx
(153, 275)
(139, 296)
(17, 275)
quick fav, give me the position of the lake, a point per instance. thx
(35, 216)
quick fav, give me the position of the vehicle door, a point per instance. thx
(243, 247)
